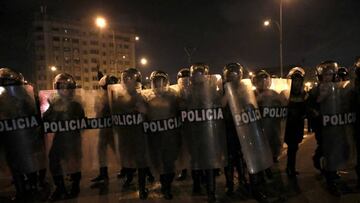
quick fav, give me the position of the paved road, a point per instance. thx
(310, 186)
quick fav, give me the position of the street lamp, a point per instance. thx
(137, 38)
(101, 23)
(280, 27)
(143, 61)
(53, 68)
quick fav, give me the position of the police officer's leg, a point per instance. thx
(255, 183)
(229, 176)
(56, 171)
(143, 192)
(196, 177)
(102, 147)
(166, 181)
(318, 151)
(291, 161)
(75, 186)
(210, 184)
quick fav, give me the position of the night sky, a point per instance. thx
(222, 31)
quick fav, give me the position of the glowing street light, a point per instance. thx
(137, 38)
(53, 68)
(266, 23)
(100, 22)
(143, 61)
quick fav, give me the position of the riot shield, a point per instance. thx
(22, 144)
(273, 106)
(203, 122)
(97, 139)
(64, 118)
(162, 126)
(247, 118)
(127, 110)
(338, 118)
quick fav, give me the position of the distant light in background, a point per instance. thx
(143, 61)
(137, 38)
(2, 90)
(266, 22)
(53, 68)
(100, 22)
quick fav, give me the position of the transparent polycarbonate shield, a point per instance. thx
(273, 103)
(22, 145)
(203, 122)
(162, 126)
(338, 119)
(64, 119)
(247, 119)
(127, 109)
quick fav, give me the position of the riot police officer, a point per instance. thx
(163, 129)
(233, 72)
(23, 147)
(106, 136)
(66, 146)
(205, 136)
(128, 108)
(183, 73)
(294, 131)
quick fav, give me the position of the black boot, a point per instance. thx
(129, 178)
(182, 176)
(20, 187)
(166, 180)
(143, 192)
(75, 186)
(103, 176)
(41, 178)
(60, 190)
(210, 185)
(255, 182)
(196, 176)
(149, 175)
(229, 177)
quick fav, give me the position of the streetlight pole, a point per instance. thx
(281, 40)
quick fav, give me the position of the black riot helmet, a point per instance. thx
(107, 80)
(159, 79)
(262, 80)
(183, 73)
(131, 74)
(233, 72)
(199, 69)
(296, 72)
(64, 81)
(326, 71)
(10, 77)
(343, 74)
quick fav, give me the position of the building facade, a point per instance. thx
(78, 48)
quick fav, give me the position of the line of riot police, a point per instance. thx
(203, 123)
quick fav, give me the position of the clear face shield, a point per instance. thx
(160, 84)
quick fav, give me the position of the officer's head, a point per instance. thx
(107, 80)
(233, 72)
(131, 78)
(198, 71)
(262, 80)
(183, 73)
(343, 74)
(9, 77)
(296, 75)
(327, 71)
(65, 84)
(159, 80)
